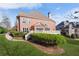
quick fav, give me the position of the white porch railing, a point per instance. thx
(48, 32)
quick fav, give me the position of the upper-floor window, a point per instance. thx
(26, 20)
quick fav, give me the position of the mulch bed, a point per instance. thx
(18, 38)
(48, 50)
(45, 49)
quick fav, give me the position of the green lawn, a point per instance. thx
(25, 49)
(18, 48)
(71, 48)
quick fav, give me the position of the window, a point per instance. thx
(26, 20)
(47, 29)
(25, 29)
(39, 29)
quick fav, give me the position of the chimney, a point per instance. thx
(49, 15)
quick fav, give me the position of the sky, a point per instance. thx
(59, 11)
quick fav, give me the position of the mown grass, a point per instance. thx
(12, 48)
(71, 48)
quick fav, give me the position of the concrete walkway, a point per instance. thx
(75, 39)
(8, 37)
(28, 35)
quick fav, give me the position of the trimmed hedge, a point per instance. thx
(48, 39)
(18, 34)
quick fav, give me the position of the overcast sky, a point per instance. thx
(59, 11)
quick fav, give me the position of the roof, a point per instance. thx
(36, 15)
(60, 25)
(75, 24)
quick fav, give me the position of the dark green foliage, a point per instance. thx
(3, 30)
(49, 39)
(18, 34)
(73, 36)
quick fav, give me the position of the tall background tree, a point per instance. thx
(5, 23)
(74, 14)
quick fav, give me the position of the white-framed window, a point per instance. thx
(26, 20)
(25, 29)
(39, 29)
(47, 29)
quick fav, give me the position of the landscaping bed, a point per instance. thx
(49, 43)
(49, 50)
(18, 35)
(18, 48)
(47, 39)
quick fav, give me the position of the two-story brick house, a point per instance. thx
(35, 21)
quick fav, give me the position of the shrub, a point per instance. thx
(48, 39)
(3, 30)
(73, 36)
(18, 34)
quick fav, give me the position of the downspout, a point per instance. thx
(18, 17)
(19, 24)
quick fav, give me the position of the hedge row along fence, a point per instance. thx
(48, 39)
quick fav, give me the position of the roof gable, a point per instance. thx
(36, 14)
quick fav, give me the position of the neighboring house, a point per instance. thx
(60, 25)
(70, 29)
(35, 21)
